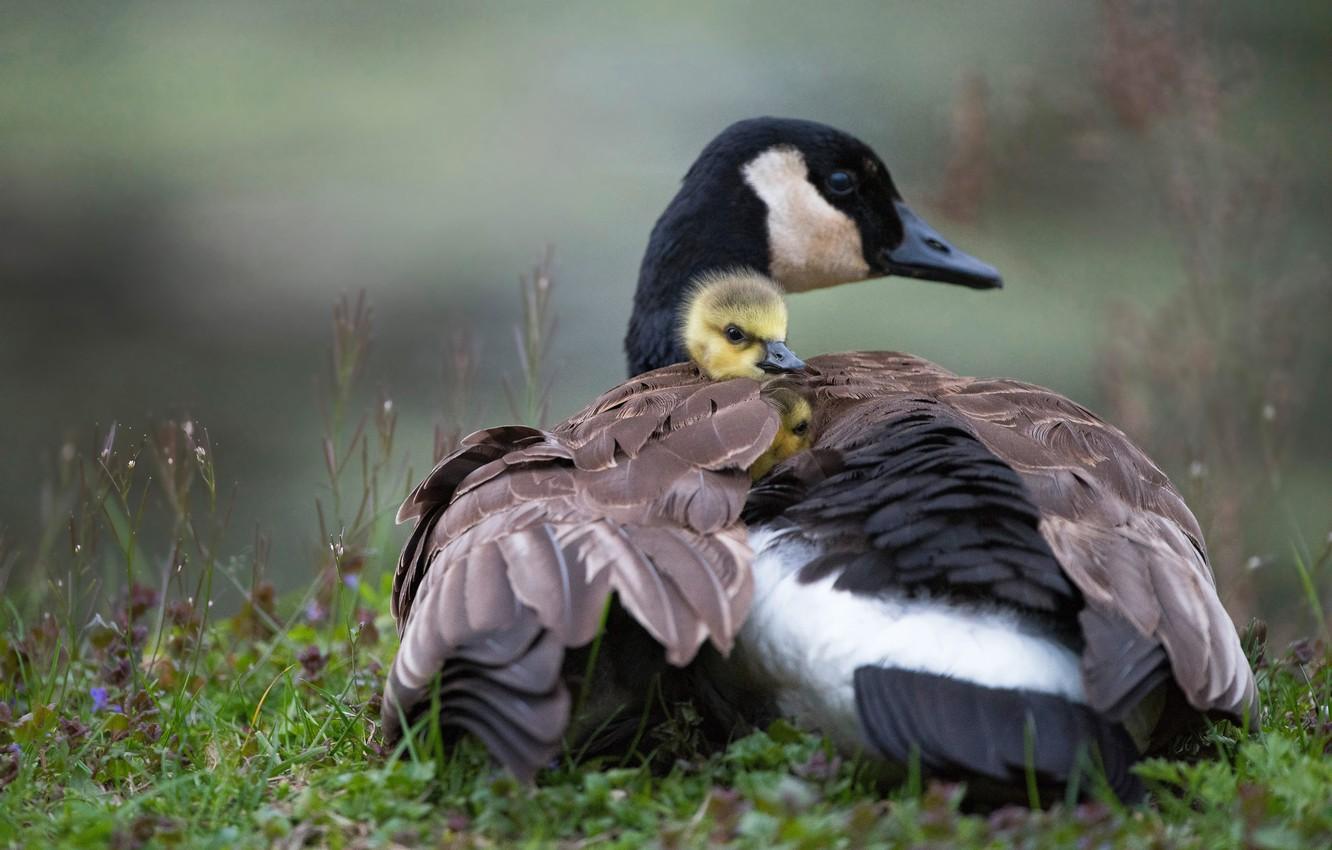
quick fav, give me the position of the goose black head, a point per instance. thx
(804, 203)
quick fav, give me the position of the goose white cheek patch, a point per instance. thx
(813, 244)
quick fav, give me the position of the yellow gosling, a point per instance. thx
(734, 326)
(793, 434)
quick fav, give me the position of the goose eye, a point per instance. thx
(734, 334)
(841, 182)
(800, 429)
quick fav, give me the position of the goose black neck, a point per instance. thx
(716, 222)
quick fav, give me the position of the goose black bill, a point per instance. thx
(926, 255)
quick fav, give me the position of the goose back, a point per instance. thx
(1007, 492)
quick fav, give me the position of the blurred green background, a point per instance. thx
(185, 189)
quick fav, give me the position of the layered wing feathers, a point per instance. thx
(1120, 532)
(522, 535)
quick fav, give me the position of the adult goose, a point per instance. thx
(978, 576)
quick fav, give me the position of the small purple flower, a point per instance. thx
(102, 703)
(314, 612)
(352, 581)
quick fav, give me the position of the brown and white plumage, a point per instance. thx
(522, 535)
(949, 502)
(1119, 528)
(978, 576)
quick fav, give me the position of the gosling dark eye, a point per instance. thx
(800, 429)
(841, 182)
(734, 334)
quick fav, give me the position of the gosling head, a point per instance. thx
(734, 326)
(794, 413)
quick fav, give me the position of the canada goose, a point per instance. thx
(977, 574)
(522, 534)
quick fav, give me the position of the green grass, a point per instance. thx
(134, 714)
(152, 728)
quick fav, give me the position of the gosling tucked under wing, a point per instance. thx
(958, 558)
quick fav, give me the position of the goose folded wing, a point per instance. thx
(1119, 531)
(521, 549)
(1124, 536)
(427, 501)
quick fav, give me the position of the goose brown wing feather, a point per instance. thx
(1122, 533)
(475, 450)
(1119, 530)
(522, 535)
